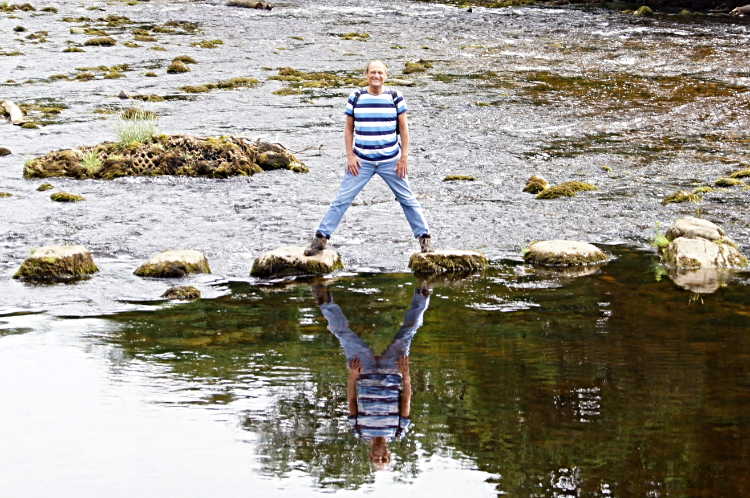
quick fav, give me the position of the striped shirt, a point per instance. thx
(375, 119)
(378, 410)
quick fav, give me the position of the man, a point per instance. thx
(374, 115)
(378, 407)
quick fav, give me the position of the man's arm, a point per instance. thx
(352, 162)
(405, 402)
(351, 387)
(402, 166)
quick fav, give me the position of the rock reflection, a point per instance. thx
(700, 281)
(379, 386)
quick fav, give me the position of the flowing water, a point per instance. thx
(525, 382)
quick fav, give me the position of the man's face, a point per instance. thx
(376, 74)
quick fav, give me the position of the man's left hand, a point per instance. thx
(402, 167)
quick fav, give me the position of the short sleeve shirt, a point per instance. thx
(375, 118)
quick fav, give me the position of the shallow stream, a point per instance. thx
(528, 383)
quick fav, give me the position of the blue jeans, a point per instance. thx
(355, 347)
(352, 185)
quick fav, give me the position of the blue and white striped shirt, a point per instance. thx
(378, 406)
(375, 120)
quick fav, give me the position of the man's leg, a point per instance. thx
(402, 340)
(350, 187)
(407, 199)
(354, 347)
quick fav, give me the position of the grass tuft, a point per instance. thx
(136, 126)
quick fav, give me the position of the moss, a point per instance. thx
(30, 126)
(744, 173)
(73, 49)
(11, 54)
(178, 67)
(145, 38)
(444, 263)
(45, 186)
(286, 91)
(150, 74)
(5, 194)
(56, 77)
(48, 9)
(355, 36)
(728, 182)
(555, 192)
(680, 196)
(160, 29)
(195, 89)
(150, 97)
(182, 293)
(66, 197)
(420, 66)
(535, 184)
(643, 10)
(279, 267)
(95, 32)
(577, 186)
(702, 190)
(103, 41)
(297, 38)
(186, 59)
(78, 265)
(131, 44)
(114, 75)
(459, 178)
(171, 269)
(207, 44)
(85, 77)
(157, 48)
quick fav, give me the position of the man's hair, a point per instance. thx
(367, 67)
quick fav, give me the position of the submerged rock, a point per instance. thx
(4, 152)
(447, 260)
(680, 196)
(740, 11)
(291, 260)
(179, 155)
(459, 178)
(564, 253)
(45, 186)
(728, 182)
(249, 4)
(5, 194)
(57, 262)
(66, 197)
(643, 10)
(174, 264)
(182, 293)
(698, 243)
(178, 67)
(555, 192)
(535, 184)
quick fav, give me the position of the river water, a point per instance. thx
(526, 383)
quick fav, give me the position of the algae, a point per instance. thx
(45, 186)
(207, 44)
(178, 67)
(643, 10)
(680, 196)
(355, 36)
(556, 192)
(145, 38)
(66, 197)
(744, 173)
(73, 49)
(577, 186)
(104, 41)
(150, 74)
(728, 182)
(459, 178)
(535, 184)
(419, 66)
(186, 59)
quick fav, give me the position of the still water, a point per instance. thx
(524, 382)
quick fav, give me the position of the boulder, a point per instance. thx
(564, 253)
(4, 152)
(174, 264)
(684, 253)
(77, 31)
(291, 260)
(447, 260)
(535, 184)
(16, 116)
(57, 262)
(695, 228)
(182, 293)
(740, 11)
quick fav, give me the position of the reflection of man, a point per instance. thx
(378, 407)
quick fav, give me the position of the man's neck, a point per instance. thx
(376, 91)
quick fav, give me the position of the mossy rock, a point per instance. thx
(744, 173)
(4, 151)
(57, 262)
(556, 192)
(174, 264)
(684, 253)
(30, 126)
(419, 66)
(535, 184)
(447, 260)
(577, 186)
(73, 49)
(66, 197)
(185, 59)
(178, 67)
(728, 182)
(250, 4)
(100, 41)
(5, 194)
(680, 196)
(291, 260)
(564, 253)
(182, 293)
(45, 186)
(459, 178)
(643, 10)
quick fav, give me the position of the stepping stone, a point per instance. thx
(563, 253)
(182, 293)
(174, 264)
(57, 262)
(447, 260)
(698, 243)
(291, 260)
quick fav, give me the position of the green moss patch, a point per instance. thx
(178, 67)
(207, 44)
(45, 186)
(420, 66)
(744, 173)
(577, 186)
(679, 197)
(103, 41)
(145, 38)
(221, 85)
(171, 269)
(185, 59)
(73, 49)
(5, 194)
(66, 197)
(644, 11)
(555, 192)
(459, 178)
(298, 82)
(355, 36)
(48, 268)
(728, 182)
(535, 184)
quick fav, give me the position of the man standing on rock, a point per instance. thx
(375, 116)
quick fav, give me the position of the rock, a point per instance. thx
(178, 67)
(291, 260)
(249, 4)
(680, 196)
(174, 264)
(564, 253)
(5, 194)
(76, 31)
(182, 293)
(45, 186)
(401, 82)
(66, 197)
(100, 41)
(683, 253)
(700, 281)
(728, 182)
(695, 228)
(57, 262)
(740, 11)
(447, 260)
(123, 95)
(16, 116)
(555, 192)
(30, 126)
(4, 152)
(186, 59)
(535, 184)
(459, 178)
(643, 10)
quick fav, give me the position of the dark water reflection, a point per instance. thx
(616, 383)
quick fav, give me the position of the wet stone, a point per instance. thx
(535, 184)
(66, 197)
(695, 228)
(564, 253)
(447, 260)
(57, 262)
(182, 293)
(291, 260)
(174, 264)
(4, 152)
(699, 243)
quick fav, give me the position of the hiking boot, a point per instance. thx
(318, 244)
(425, 243)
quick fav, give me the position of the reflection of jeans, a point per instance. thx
(354, 347)
(352, 185)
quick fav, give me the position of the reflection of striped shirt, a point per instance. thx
(378, 412)
(375, 124)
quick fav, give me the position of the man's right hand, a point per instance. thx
(355, 367)
(353, 165)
